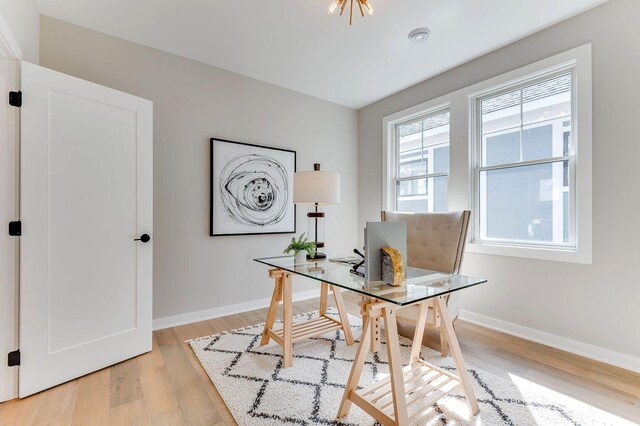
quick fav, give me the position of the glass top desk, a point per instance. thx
(406, 391)
(420, 284)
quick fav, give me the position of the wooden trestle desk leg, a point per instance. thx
(281, 291)
(400, 413)
(395, 369)
(356, 368)
(287, 347)
(395, 383)
(305, 329)
(419, 332)
(273, 307)
(375, 324)
(375, 334)
(344, 318)
(444, 346)
(324, 293)
(451, 338)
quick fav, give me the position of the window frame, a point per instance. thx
(478, 168)
(394, 170)
(460, 185)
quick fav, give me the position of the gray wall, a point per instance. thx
(595, 304)
(193, 102)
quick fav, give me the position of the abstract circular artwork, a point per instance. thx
(254, 190)
(251, 189)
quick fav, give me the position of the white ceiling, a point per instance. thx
(297, 44)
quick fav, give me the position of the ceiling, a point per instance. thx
(297, 44)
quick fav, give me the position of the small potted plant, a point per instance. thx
(301, 248)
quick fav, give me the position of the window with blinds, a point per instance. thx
(422, 163)
(524, 162)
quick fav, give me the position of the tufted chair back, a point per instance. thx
(435, 241)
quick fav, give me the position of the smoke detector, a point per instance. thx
(419, 35)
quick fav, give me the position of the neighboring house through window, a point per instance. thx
(524, 163)
(422, 165)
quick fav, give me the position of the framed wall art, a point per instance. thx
(251, 189)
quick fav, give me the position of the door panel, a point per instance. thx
(86, 193)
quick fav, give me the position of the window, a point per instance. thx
(515, 149)
(524, 162)
(422, 163)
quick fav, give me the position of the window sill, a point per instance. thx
(539, 253)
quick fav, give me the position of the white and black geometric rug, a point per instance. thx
(258, 391)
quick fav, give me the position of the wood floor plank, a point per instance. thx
(130, 413)
(533, 353)
(166, 337)
(51, 407)
(23, 411)
(191, 331)
(197, 407)
(568, 384)
(160, 398)
(253, 317)
(93, 400)
(125, 383)
(151, 359)
(213, 393)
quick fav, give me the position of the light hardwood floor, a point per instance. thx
(168, 386)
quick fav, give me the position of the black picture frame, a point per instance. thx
(212, 188)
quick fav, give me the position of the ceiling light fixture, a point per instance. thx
(341, 4)
(419, 35)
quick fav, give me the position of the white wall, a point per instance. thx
(591, 309)
(192, 103)
(23, 19)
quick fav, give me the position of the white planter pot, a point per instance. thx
(300, 257)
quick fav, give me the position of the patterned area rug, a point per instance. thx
(258, 391)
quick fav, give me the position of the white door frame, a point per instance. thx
(10, 50)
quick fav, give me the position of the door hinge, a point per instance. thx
(13, 359)
(15, 228)
(15, 99)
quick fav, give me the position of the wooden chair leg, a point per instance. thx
(444, 347)
(396, 379)
(273, 309)
(356, 368)
(324, 293)
(287, 347)
(467, 385)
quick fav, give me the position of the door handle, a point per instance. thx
(145, 238)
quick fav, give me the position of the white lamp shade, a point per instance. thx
(316, 187)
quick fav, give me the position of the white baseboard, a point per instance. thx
(597, 353)
(191, 317)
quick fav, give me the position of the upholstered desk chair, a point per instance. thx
(435, 241)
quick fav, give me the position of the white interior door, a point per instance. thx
(86, 194)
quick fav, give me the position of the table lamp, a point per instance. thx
(317, 189)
